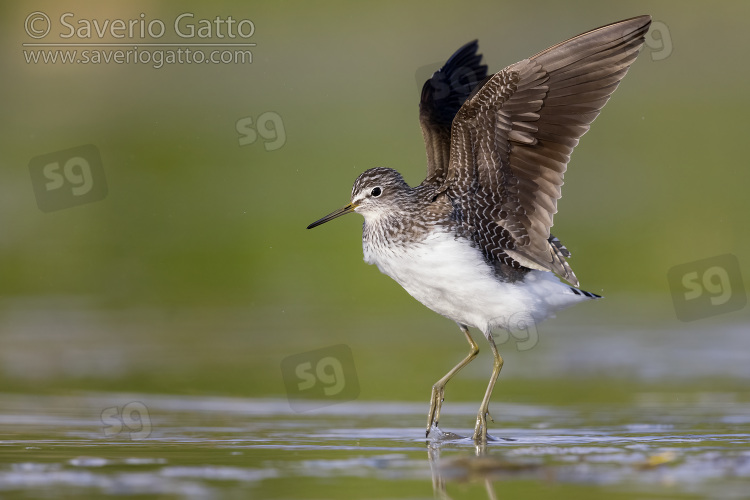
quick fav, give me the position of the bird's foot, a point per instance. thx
(436, 401)
(480, 429)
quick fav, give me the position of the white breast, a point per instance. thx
(451, 277)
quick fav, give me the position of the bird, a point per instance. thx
(472, 242)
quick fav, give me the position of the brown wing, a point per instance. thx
(442, 97)
(512, 139)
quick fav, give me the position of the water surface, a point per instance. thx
(210, 447)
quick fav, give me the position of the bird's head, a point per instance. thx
(376, 192)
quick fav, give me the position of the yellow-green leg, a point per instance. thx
(480, 430)
(438, 390)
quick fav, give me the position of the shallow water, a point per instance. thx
(99, 403)
(199, 447)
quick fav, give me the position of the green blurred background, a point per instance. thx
(195, 274)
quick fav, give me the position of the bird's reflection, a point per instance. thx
(477, 466)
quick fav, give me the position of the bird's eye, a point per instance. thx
(376, 192)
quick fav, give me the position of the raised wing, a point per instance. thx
(442, 97)
(512, 139)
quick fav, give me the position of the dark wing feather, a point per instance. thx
(512, 139)
(442, 96)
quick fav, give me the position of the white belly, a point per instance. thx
(451, 278)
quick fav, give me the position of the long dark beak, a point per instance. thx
(338, 213)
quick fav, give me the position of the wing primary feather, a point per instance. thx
(512, 137)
